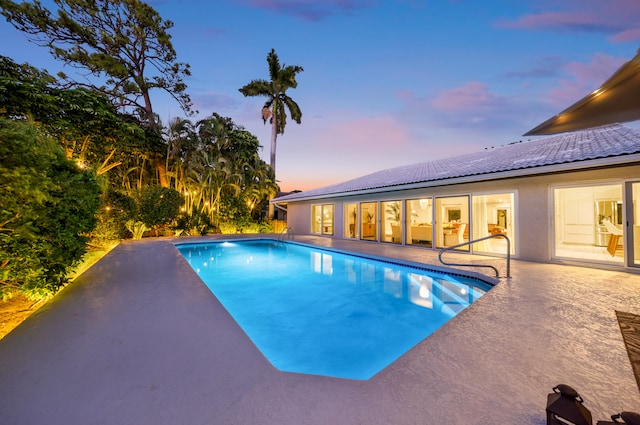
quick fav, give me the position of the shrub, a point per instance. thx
(194, 224)
(47, 206)
(116, 210)
(158, 206)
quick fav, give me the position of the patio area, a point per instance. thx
(139, 339)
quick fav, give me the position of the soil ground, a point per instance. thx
(14, 310)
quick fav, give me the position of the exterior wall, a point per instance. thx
(533, 204)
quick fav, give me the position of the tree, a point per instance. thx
(48, 207)
(158, 206)
(125, 44)
(282, 78)
(87, 126)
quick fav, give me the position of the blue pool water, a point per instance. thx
(321, 312)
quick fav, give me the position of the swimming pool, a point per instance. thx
(315, 311)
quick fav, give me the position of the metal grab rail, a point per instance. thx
(286, 232)
(497, 235)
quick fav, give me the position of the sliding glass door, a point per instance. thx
(589, 223)
(452, 221)
(633, 223)
(493, 215)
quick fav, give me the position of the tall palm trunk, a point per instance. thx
(274, 136)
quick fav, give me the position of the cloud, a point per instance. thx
(545, 67)
(618, 18)
(582, 78)
(473, 95)
(311, 10)
(627, 35)
(207, 102)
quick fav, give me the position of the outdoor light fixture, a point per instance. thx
(629, 418)
(564, 406)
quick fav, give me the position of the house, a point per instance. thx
(566, 198)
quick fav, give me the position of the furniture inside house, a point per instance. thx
(461, 229)
(455, 233)
(494, 229)
(463, 233)
(613, 246)
(422, 233)
(368, 230)
(396, 233)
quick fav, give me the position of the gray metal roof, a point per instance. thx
(568, 148)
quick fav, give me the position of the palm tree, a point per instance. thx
(282, 78)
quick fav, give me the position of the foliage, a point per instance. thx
(86, 125)
(158, 205)
(274, 109)
(216, 166)
(125, 44)
(229, 228)
(48, 206)
(116, 210)
(137, 228)
(193, 224)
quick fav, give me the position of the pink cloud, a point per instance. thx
(554, 20)
(473, 95)
(627, 35)
(376, 132)
(583, 78)
(616, 17)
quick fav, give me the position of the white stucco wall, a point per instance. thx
(533, 213)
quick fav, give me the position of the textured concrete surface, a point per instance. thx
(139, 339)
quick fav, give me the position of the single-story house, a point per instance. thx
(572, 197)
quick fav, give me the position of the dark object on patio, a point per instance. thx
(629, 418)
(630, 329)
(564, 406)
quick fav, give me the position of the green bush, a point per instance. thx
(158, 206)
(47, 207)
(116, 210)
(194, 224)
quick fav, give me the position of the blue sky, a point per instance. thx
(388, 83)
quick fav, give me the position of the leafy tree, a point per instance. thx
(159, 205)
(47, 206)
(125, 44)
(282, 78)
(86, 125)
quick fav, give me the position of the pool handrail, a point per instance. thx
(286, 232)
(497, 235)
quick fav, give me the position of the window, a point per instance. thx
(369, 221)
(391, 226)
(493, 215)
(588, 223)
(351, 221)
(419, 222)
(322, 219)
(452, 221)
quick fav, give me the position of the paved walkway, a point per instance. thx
(138, 339)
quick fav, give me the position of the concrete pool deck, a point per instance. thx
(139, 339)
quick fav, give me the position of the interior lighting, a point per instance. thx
(423, 203)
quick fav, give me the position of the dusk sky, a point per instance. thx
(388, 83)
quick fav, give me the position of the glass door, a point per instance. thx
(452, 221)
(369, 221)
(633, 223)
